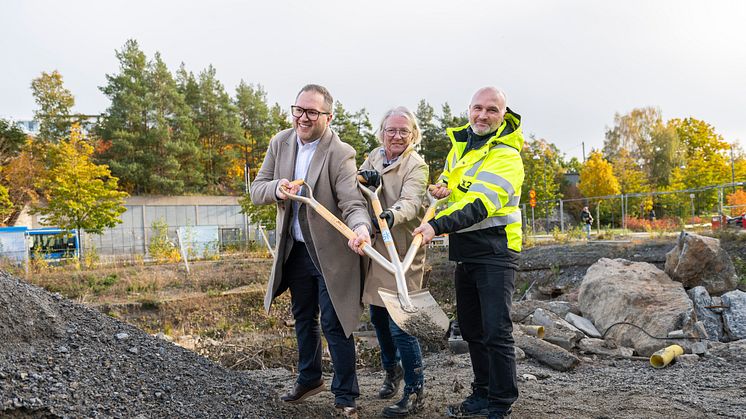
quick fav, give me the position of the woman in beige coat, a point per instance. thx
(404, 174)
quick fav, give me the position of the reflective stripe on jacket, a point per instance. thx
(491, 174)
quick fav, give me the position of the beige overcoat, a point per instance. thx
(332, 176)
(404, 188)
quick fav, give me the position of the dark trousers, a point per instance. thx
(310, 298)
(397, 344)
(484, 297)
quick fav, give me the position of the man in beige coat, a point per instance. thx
(312, 259)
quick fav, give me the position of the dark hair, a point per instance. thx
(323, 91)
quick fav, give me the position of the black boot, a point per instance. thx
(390, 385)
(411, 402)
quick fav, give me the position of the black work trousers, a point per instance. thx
(484, 297)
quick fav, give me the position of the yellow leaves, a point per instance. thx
(597, 177)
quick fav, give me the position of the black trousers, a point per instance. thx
(310, 297)
(484, 297)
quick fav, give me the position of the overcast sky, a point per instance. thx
(567, 66)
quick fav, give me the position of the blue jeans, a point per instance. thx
(484, 297)
(309, 297)
(587, 230)
(396, 344)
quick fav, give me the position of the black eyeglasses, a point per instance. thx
(312, 114)
(403, 132)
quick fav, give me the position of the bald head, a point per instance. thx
(487, 110)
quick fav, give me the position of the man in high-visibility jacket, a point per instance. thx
(483, 174)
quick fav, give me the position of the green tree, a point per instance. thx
(148, 137)
(433, 142)
(355, 129)
(258, 214)
(256, 125)
(219, 129)
(6, 207)
(55, 103)
(543, 173)
(80, 194)
(11, 141)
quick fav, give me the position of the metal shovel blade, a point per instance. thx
(427, 321)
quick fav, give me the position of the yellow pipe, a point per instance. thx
(664, 356)
(531, 330)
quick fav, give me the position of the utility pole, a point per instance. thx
(583, 143)
(732, 170)
(546, 192)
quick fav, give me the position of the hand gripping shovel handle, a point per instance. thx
(417, 241)
(331, 218)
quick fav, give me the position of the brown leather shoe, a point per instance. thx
(301, 392)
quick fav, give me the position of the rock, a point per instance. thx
(676, 334)
(734, 316)
(602, 347)
(519, 354)
(522, 309)
(732, 351)
(121, 336)
(585, 325)
(699, 348)
(618, 290)
(133, 350)
(699, 260)
(687, 359)
(528, 377)
(711, 320)
(557, 330)
(548, 354)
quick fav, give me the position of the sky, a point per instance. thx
(567, 66)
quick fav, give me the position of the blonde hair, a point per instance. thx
(400, 111)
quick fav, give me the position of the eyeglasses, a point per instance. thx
(312, 114)
(391, 132)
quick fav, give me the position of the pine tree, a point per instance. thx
(433, 143)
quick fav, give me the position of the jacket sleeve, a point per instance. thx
(495, 186)
(414, 187)
(264, 186)
(350, 200)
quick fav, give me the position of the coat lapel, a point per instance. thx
(319, 157)
(287, 158)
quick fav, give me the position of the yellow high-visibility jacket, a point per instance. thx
(483, 215)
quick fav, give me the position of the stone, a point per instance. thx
(121, 336)
(732, 351)
(523, 309)
(519, 354)
(676, 334)
(639, 293)
(687, 359)
(528, 377)
(712, 321)
(602, 347)
(557, 330)
(585, 325)
(546, 353)
(699, 260)
(734, 316)
(699, 348)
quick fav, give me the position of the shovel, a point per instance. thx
(416, 312)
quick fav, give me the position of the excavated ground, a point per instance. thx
(62, 359)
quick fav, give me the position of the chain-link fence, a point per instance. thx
(665, 210)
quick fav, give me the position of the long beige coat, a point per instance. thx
(404, 188)
(332, 176)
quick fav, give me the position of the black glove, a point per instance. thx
(388, 216)
(370, 177)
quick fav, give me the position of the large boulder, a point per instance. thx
(706, 312)
(699, 260)
(734, 315)
(618, 290)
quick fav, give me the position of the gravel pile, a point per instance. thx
(61, 359)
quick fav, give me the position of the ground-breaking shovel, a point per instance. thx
(416, 312)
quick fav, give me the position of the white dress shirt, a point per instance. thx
(302, 161)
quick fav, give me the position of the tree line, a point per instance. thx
(179, 133)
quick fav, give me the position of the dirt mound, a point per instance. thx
(61, 359)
